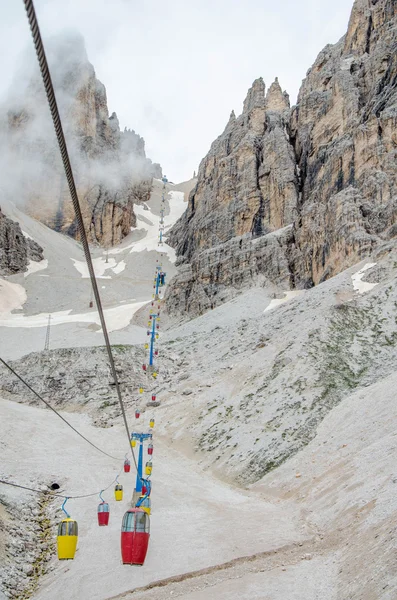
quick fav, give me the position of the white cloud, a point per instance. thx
(173, 71)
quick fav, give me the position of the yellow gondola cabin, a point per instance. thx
(67, 539)
(118, 492)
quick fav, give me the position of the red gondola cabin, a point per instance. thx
(127, 466)
(135, 533)
(103, 513)
(150, 449)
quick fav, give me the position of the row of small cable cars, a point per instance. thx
(135, 533)
(135, 528)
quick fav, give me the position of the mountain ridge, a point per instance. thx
(326, 166)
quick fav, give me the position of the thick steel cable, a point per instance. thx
(49, 88)
(55, 411)
(24, 487)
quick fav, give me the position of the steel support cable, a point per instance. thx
(55, 411)
(45, 72)
(24, 487)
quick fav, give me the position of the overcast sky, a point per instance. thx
(174, 70)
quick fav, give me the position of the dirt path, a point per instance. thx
(232, 572)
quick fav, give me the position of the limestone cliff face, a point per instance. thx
(110, 166)
(328, 166)
(15, 249)
(247, 183)
(345, 138)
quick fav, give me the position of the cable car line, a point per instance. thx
(45, 72)
(55, 411)
(135, 532)
(24, 487)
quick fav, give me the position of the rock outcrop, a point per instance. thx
(80, 379)
(16, 250)
(247, 183)
(213, 276)
(345, 139)
(110, 166)
(328, 166)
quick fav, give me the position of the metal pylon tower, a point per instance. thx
(47, 337)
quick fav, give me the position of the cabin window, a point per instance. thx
(62, 528)
(142, 523)
(68, 528)
(72, 528)
(138, 522)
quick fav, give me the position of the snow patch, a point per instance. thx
(150, 241)
(100, 266)
(12, 297)
(287, 296)
(35, 266)
(117, 317)
(363, 286)
(119, 267)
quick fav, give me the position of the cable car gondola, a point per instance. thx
(135, 533)
(118, 492)
(127, 466)
(151, 423)
(103, 513)
(150, 449)
(67, 536)
(67, 539)
(148, 467)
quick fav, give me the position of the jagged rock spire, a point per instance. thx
(256, 96)
(276, 99)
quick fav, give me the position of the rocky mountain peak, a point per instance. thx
(255, 97)
(110, 166)
(276, 99)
